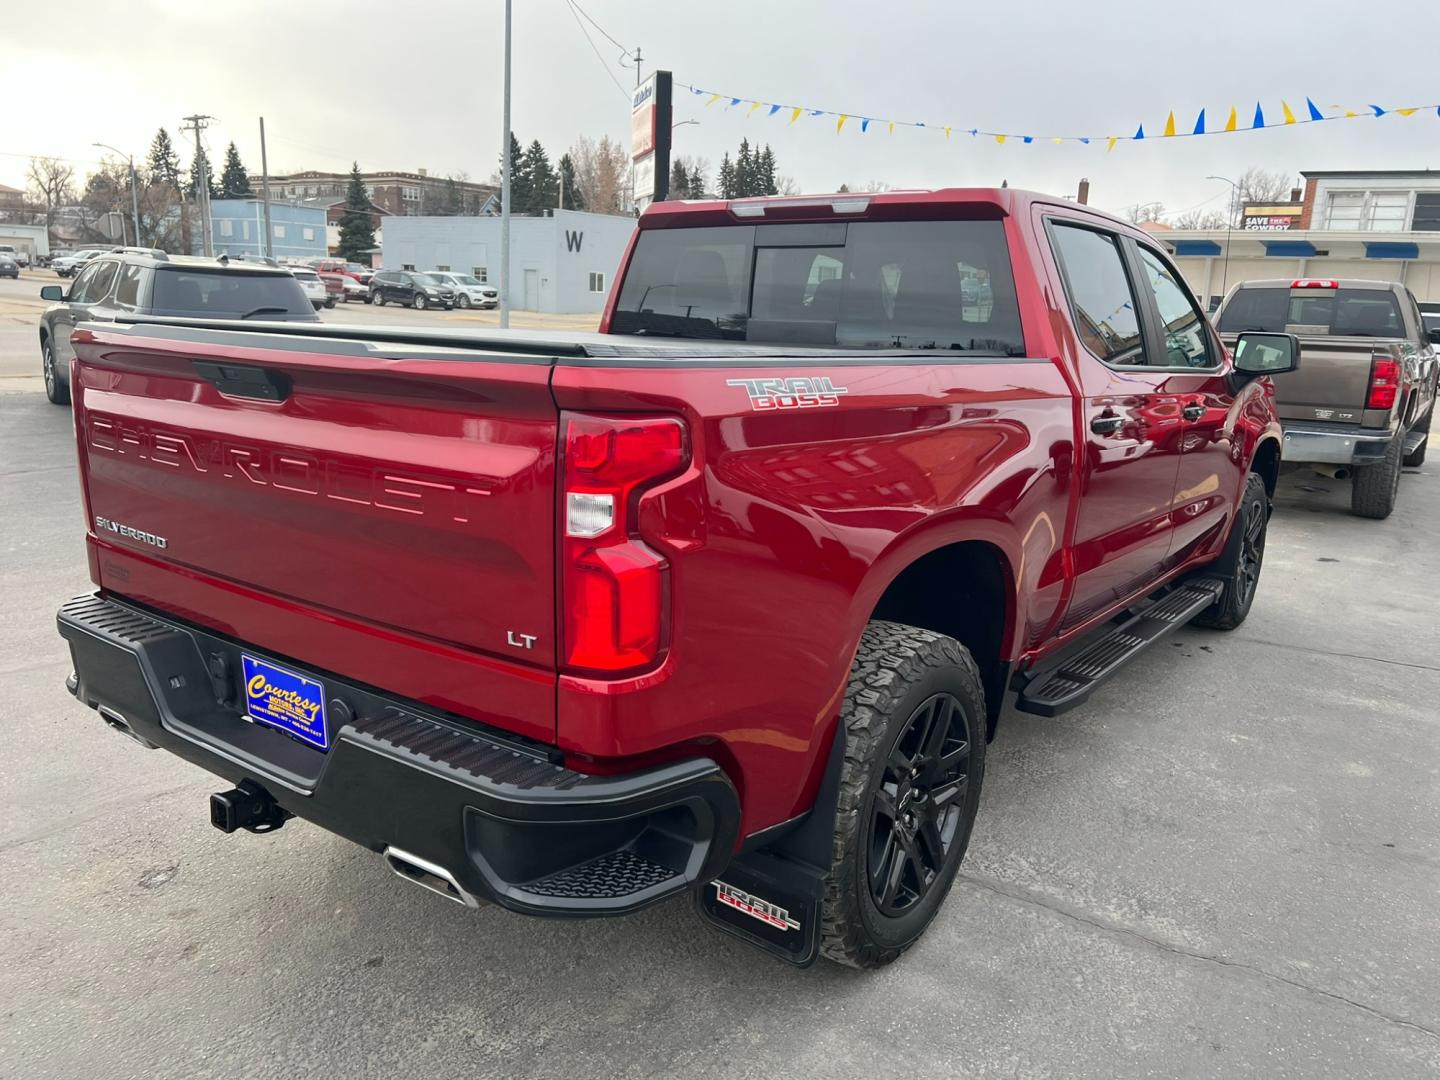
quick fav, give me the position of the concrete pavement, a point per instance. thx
(1226, 864)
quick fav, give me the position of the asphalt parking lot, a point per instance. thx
(1226, 864)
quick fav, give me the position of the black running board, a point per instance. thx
(1414, 441)
(1069, 684)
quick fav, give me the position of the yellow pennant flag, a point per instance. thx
(947, 133)
(795, 114)
(1057, 140)
(1170, 125)
(713, 98)
(1110, 143)
(1230, 124)
(1000, 139)
(1289, 116)
(753, 106)
(841, 122)
(892, 127)
(1407, 112)
(1349, 113)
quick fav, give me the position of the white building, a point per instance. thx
(560, 263)
(34, 240)
(1382, 226)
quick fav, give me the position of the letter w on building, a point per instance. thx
(573, 240)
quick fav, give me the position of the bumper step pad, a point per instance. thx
(1069, 684)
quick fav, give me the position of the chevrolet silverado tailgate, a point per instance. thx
(397, 496)
(1332, 381)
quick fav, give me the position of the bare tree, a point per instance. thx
(51, 183)
(602, 174)
(1200, 219)
(787, 185)
(1259, 186)
(868, 185)
(1143, 212)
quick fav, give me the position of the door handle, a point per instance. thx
(1106, 423)
(1193, 412)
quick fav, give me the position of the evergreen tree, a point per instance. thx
(765, 173)
(544, 192)
(697, 183)
(744, 171)
(192, 188)
(234, 180)
(164, 165)
(725, 179)
(519, 177)
(679, 181)
(574, 198)
(357, 232)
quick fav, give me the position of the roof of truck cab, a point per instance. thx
(913, 205)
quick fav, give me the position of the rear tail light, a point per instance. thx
(613, 586)
(1384, 383)
(1314, 283)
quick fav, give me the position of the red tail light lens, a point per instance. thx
(1384, 383)
(613, 586)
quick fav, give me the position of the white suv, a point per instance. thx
(469, 291)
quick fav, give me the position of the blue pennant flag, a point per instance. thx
(1378, 111)
(774, 109)
(865, 124)
(1315, 114)
(1259, 117)
(1199, 124)
(1140, 133)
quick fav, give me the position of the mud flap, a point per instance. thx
(772, 897)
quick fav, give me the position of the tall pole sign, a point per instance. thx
(650, 123)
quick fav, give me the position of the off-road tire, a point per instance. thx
(1373, 491)
(1234, 604)
(897, 668)
(57, 390)
(1415, 460)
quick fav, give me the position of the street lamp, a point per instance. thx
(134, 189)
(682, 123)
(1229, 221)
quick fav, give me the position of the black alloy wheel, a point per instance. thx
(917, 807)
(1252, 551)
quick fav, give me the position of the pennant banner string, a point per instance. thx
(1312, 115)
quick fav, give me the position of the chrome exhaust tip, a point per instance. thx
(120, 724)
(428, 875)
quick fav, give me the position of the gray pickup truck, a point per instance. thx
(1361, 404)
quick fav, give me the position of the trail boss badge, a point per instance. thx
(767, 395)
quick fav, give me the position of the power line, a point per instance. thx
(623, 51)
(576, 12)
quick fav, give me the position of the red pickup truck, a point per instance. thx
(726, 598)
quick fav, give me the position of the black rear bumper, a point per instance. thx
(501, 815)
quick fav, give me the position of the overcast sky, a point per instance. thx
(418, 84)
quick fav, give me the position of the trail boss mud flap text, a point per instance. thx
(758, 901)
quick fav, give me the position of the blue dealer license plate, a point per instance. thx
(286, 700)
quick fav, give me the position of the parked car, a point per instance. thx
(360, 273)
(19, 256)
(728, 600)
(418, 290)
(315, 290)
(112, 287)
(1362, 405)
(469, 291)
(69, 265)
(355, 290)
(8, 266)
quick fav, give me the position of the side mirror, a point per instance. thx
(1259, 354)
(51, 292)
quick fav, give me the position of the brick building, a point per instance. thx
(392, 192)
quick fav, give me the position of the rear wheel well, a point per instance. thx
(1267, 464)
(962, 591)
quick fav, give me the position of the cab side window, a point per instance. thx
(1187, 338)
(99, 287)
(128, 291)
(1101, 297)
(80, 290)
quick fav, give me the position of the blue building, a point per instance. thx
(239, 228)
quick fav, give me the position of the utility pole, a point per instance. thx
(267, 249)
(198, 123)
(505, 188)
